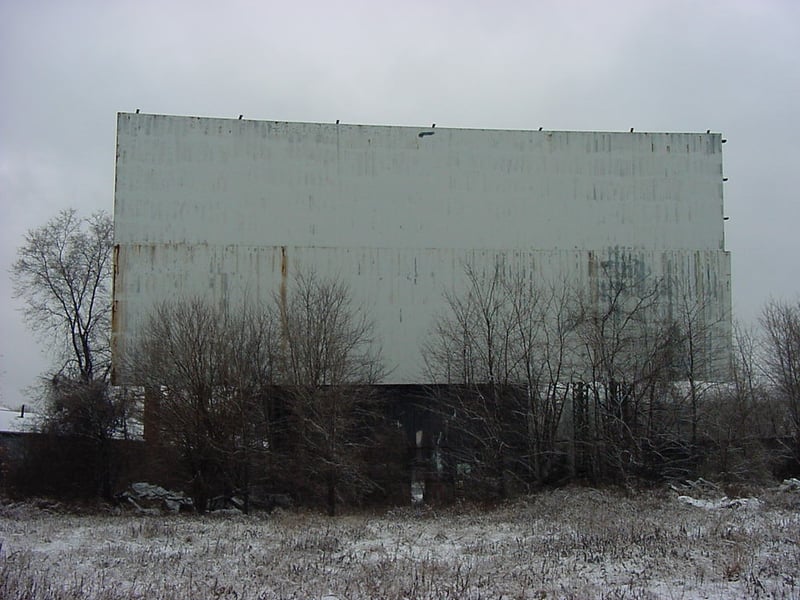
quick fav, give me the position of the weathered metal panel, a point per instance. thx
(401, 288)
(231, 208)
(216, 181)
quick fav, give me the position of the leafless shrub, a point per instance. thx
(258, 396)
(549, 383)
(742, 428)
(63, 275)
(781, 359)
(209, 373)
(329, 363)
(503, 345)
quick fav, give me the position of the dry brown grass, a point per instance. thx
(569, 543)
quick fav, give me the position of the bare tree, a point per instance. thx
(690, 320)
(256, 393)
(471, 347)
(211, 371)
(741, 425)
(329, 364)
(504, 344)
(517, 351)
(251, 347)
(547, 324)
(700, 363)
(63, 274)
(781, 323)
(630, 348)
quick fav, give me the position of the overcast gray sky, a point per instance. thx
(67, 68)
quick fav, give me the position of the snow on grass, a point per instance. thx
(723, 502)
(573, 543)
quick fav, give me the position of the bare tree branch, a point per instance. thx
(63, 274)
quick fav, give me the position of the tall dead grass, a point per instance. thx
(569, 543)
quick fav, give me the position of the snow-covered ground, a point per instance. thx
(17, 421)
(569, 543)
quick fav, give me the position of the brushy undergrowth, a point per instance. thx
(568, 543)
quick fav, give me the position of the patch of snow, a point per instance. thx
(142, 492)
(417, 492)
(17, 421)
(790, 485)
(566, 543)
(723, 502)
